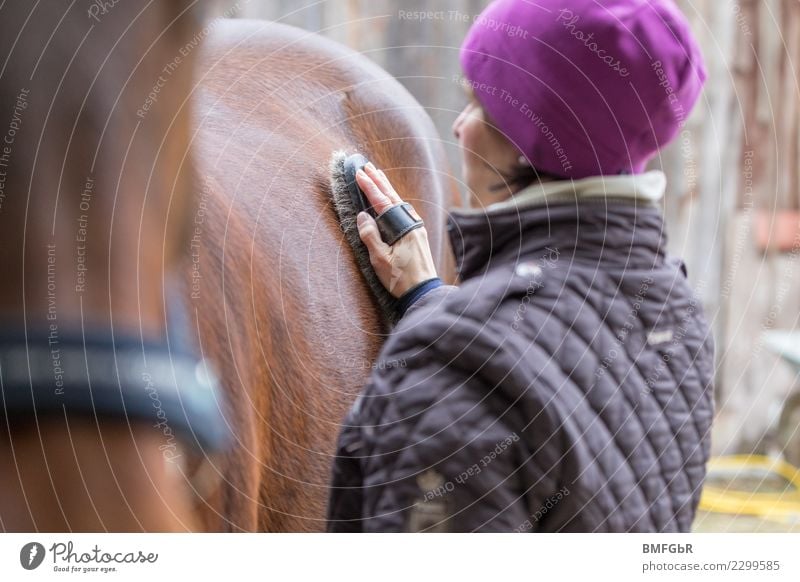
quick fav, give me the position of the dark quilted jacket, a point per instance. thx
(566, 385)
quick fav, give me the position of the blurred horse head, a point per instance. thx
(96, 191)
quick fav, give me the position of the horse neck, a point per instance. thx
(92, 167)
(92, 174)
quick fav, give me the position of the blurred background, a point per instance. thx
(732, 206)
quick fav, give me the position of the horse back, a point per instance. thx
(279, 303)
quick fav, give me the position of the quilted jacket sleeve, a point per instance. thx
(446, 436)
(436, 458)
(431, 299)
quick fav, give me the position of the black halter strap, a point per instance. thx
(125, 378)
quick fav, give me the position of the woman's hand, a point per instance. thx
(406, 263)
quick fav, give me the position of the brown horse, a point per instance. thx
(279, 303)
(86, 251)
(96, 215)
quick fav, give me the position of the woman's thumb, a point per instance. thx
(368, 231)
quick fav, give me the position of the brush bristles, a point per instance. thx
(347, 219)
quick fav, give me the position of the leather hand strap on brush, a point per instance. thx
(395, 222)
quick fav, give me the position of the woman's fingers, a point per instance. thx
(399, 267)
(383, 183)
(377, 199)
(408, 262)
(371, 237)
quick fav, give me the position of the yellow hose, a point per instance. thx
(785, 504)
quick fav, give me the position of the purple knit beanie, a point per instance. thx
(584, 88)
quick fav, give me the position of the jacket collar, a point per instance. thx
(608, 220)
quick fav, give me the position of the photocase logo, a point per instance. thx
(31, 555)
